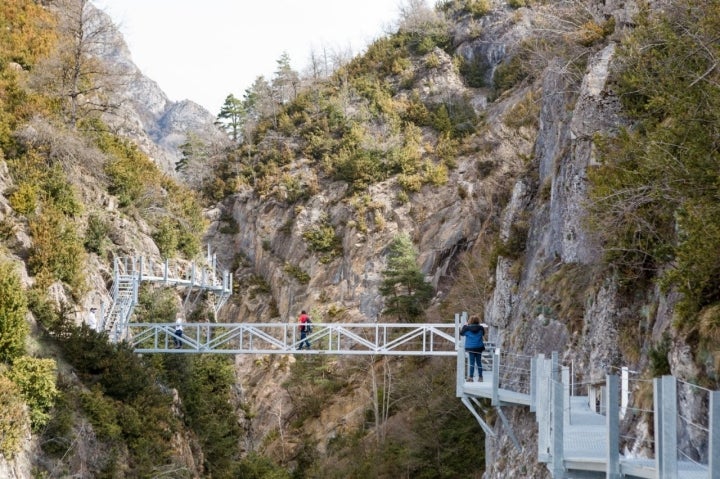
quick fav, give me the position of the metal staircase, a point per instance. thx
(129, 272)
(125, 295)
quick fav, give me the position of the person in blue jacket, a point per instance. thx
(474, 345)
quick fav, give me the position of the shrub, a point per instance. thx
(13, 308)
(473, 71)
(510, 73)
(57, 252)
(524, 113)
(166, 237)
(297, 273)
(432, 61)
(35, 378)
(435, 174)
(13, 419)
(479, 8)
(96, 235)
(132, 174)
(322, 238)
(25, 198)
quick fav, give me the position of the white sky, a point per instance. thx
(203, 50)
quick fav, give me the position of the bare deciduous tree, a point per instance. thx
(76, 72)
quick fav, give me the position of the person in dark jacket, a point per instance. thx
(474, 345)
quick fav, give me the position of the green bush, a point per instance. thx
(473, 71)
(13, 308)
(322, 238)
(13, 419)
(96, 235)
(25, 198)
(510, 72)
(57, 252)
(166, 237)
(36, 379)
(296, 272)
(653, 198)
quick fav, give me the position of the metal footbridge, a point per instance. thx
(584, 429)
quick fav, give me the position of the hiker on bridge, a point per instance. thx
(474, 333)
(304, 328)
(178, 331)
(92, 319)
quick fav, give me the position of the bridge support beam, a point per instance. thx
(460, 348)
(543, 408)
(665, 389)
(496, 377)
(558, 420)
(488, 432)
(714, 424)
(508, 428)
(533, 382)
(612, 418)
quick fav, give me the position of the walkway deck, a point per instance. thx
(574, 440)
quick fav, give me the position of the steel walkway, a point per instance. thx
(284, 338)
(130, 272)
(579, 436)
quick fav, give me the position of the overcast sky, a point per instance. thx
(203, 50)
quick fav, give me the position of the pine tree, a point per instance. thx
(231, 116)
(404, 287)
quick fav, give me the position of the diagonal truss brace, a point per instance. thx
(282, 338)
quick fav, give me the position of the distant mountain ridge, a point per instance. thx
(158, 124)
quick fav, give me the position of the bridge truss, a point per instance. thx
(282, 338)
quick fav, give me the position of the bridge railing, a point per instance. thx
(693, 429)
(400, 339)
(203, 274)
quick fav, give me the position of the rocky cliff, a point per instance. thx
(496, 205)
(520, 178)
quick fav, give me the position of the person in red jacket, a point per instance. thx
(304, 328)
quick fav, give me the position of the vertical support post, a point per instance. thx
(101, 322)
(558, 468)
(543, 400)
(624, 391)
(496, 378)
(142, 267)
(165, 272)
(555, 372)
(533, 383)
(666, 427)
(612, 419)
(460, 348)
(566, 393)
(714, 426)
